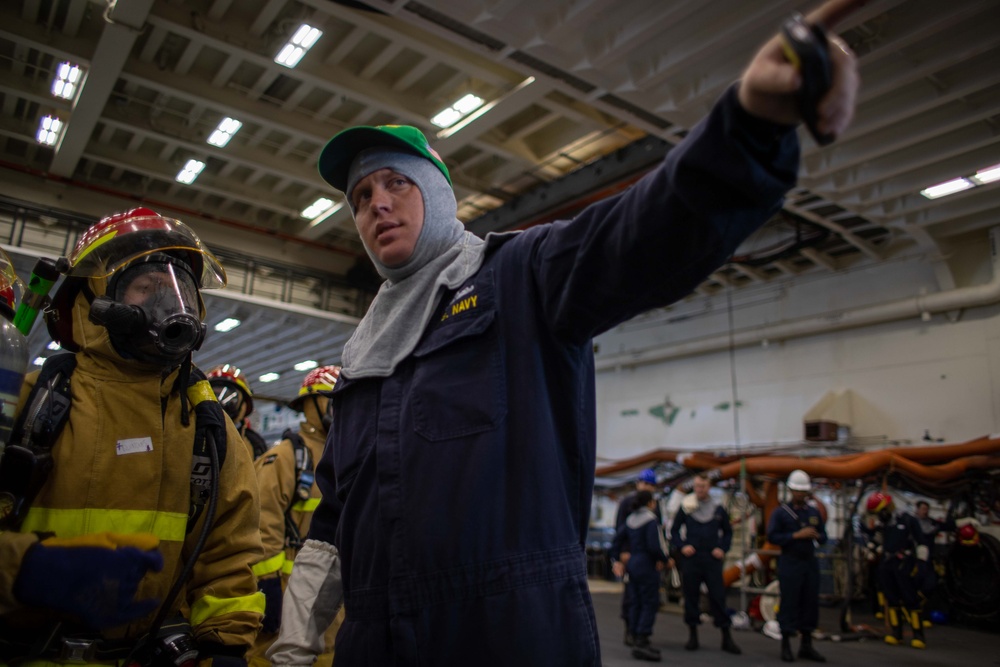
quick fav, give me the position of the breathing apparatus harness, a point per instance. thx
(305, 475)
(26, 465)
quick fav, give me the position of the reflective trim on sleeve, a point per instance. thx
(168, 526)
(306, 505)
(269, 565)
(201, 391)
(210, 606)
(286, 567)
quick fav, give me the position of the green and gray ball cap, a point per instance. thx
(338, 154)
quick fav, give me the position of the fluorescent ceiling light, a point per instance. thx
(227, 324)
(38, 361)
(67, 80)
(463, 107)
(49, 130)
(291, 53)
(987, 175)
(54, 345)
(306, 365)
(190, 171)
(947, 188)
(330, 211)
(316, 208)
(224, 132)
(269, 377)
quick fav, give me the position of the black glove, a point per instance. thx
(271, 588)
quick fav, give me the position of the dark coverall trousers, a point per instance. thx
(799, 607)
(645, 602)
(899, 583)
(702, 567)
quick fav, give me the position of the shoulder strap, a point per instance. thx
(304, 477)
(45, 412)
(303, 465)
(27, 459)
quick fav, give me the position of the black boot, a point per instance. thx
(641, 650)
(786, 648)
(728, 645)
(629, 641)
(692, 644)
(806, 650)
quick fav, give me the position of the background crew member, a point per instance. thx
(464, 415)
(288, 497)
(647, 557)
(645, 482)
(127, 498)
(797, 527)
(702, 534)
(902, 548)
(232, 389)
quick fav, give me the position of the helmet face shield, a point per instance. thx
(152, 311)
(230, 398)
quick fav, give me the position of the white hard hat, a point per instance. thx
(799, 481)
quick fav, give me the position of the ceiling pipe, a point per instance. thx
(922, 306)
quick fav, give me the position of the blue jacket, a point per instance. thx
(787, 519)
(704, 537)
(466, 476)
(640, 536)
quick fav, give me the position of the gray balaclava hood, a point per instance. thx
(441, 226)
(444, 256)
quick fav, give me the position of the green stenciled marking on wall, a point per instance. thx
(725, 405)
(629, 413)
(666, 414)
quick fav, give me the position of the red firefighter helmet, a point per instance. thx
(879, 501)
(968, 535)
(116, 241)
(227, 378)
(319, 381)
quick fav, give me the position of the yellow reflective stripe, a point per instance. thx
(201, 391)
(286, 567)
(210, 606)
(306, 505)
(269, 565)
(168, 526)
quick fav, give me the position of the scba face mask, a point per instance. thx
(152, 311)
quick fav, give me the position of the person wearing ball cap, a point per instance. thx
(459, 470)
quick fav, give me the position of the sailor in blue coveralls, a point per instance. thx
(645, 482)
(797, 527)
(458, 475)
(641, 532)
(702, 534)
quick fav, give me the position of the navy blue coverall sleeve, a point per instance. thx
(727, 530)
(655, 242)
(675, 529)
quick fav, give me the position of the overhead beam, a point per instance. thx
(113, 48)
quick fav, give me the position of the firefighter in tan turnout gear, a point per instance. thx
(232, 389)
(288, 496)
(129, 527)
